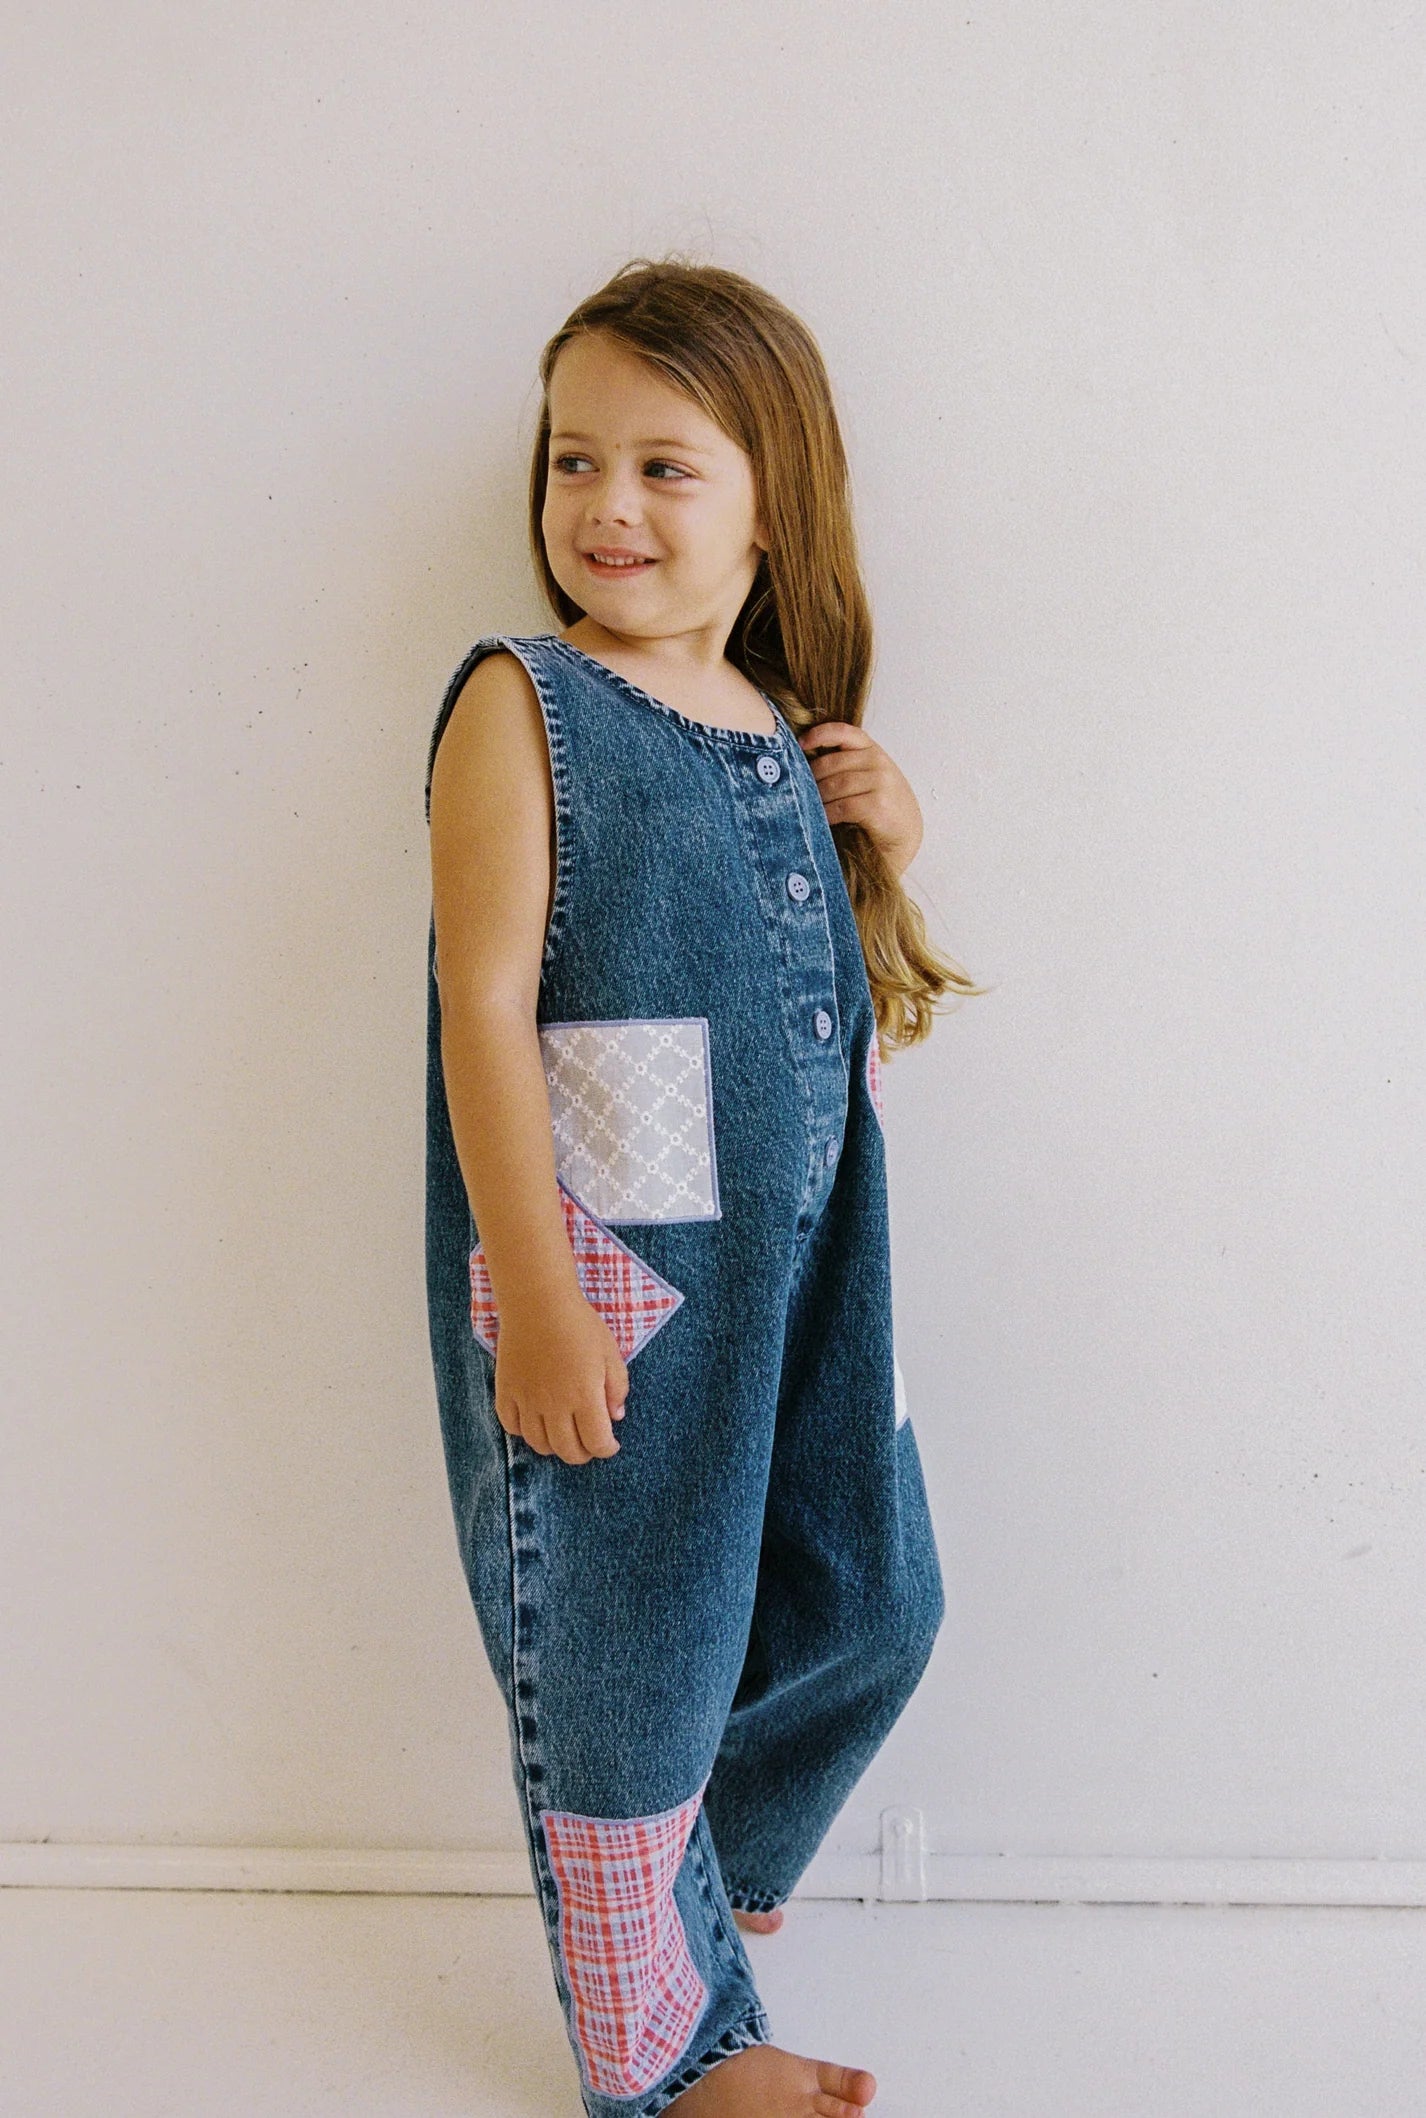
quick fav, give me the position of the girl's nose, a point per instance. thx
(616, 500)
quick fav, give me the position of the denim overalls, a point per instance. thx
(702, 1640)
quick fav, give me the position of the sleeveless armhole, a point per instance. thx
(527, 654)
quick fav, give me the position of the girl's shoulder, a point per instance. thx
(526, 647)
(530, 649)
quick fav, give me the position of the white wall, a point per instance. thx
(1130, 356)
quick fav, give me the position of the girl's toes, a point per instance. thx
(758, 1922)
(843, 2092)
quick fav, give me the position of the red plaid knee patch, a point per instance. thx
(635, 1988)
(873, 1074)
(632, 1298)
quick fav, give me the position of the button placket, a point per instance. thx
(779, 828)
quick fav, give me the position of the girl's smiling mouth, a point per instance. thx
(614, 566)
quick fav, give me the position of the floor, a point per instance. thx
(215, 2004)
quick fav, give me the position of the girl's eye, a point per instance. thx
(560, 463)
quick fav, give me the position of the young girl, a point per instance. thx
(687, 1495)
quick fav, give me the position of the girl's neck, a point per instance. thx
(716, 692)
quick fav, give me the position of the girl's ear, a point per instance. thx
(760, 535)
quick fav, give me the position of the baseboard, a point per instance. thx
(1016, 1879)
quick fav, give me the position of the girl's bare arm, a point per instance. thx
(559, 1374)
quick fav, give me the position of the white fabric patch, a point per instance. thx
(632, 1108)
(902, 1410)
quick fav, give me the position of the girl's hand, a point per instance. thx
(860, 784)
(560, 1379)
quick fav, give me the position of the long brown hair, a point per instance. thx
(804, 634)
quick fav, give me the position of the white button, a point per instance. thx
(831, 1153)
(769, 770)
(798, 887)
(822, 1023)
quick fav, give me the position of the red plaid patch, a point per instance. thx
(632, 1298)
(873, 1074)
(635, 1988)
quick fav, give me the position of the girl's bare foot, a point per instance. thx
(758, 1922)
(765, 2082)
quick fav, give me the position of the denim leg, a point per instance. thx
(628, 1586)
(849, 1597)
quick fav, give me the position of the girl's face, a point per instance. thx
(635, 467)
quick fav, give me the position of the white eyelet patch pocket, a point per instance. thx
(631, 1105)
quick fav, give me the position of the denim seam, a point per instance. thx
(729, 1936)
(489, 643)
(740, 737)
(523, 1689)
(559, 774)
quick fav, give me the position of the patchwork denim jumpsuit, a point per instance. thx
(702, 1640)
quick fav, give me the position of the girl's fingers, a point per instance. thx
(596, 1432)
(862, 808)
(533, 1429)
(845, 734)
(615, 1384)
(566, 1441)
(847, 779)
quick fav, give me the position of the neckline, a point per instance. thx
(751, 736)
